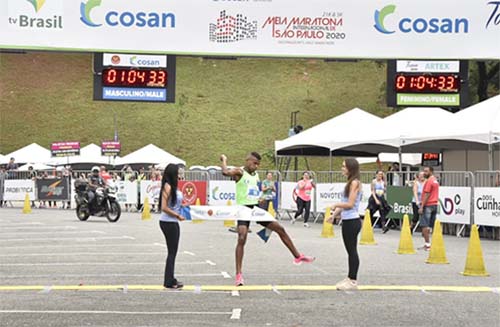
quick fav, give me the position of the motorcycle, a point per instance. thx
(104, 203)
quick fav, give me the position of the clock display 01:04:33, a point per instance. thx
(427, 83)
(134, 77)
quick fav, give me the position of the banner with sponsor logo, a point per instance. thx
(229, 213)
(65, 149)
(52, 189)
(127, 192)
(400, 198)
(16, 189)
(328, 194)
(454, 205)
(111, 148)
(193, 190)
(447, 29)
(151, 190)
(487, 206)
(220, 192)
(289, 196)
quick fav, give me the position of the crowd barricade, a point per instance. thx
(194, 187)
(486, 203)
(288, 193)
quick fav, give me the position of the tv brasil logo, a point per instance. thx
(420, 25)
(115, 18)
(27, 21)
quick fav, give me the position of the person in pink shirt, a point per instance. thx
(304, 191)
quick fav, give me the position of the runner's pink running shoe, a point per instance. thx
(239, 280)
(302, 258)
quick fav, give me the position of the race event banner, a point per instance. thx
(193, 190)
(328, 194)
(53, 189)
(289, 196)
(229, 213)
(150, 190)
(487, 206)
(127, 192)
(446, 29)
(220, 192)
(399, 197)
(65, 149)
(454, 205)
(16, 189)
(111, 148)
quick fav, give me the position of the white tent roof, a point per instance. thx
(33, 153)
(339, 132)
(150, 154)
(408, 158)
(3, 159)
(36, 166)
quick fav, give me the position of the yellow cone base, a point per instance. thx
(474, 265)
(197, 221)
(229, 223)
(327, 231)
(146, 211)
(367, 237)
(437, 254)
(406, 241)
(27, 204)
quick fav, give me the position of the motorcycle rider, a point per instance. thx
(95, 181)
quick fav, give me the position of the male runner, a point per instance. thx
(247, 194)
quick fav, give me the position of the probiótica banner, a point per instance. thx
(445, 29)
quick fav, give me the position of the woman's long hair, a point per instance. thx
(352, 166)
(170, 176)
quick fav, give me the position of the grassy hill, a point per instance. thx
(229, 107)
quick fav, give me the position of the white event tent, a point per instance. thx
(150, 154)
(32, 153)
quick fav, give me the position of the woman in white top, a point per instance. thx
(418, 186)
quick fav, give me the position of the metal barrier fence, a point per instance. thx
(487, 178)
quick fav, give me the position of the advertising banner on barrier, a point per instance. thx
(454, 205)
(151, 190)
(127, 192)
(487, 206)
(192, 190)
(289, 196)
(52, 189)
(328, 194)
(399, 197)
(220, 192)
(16, 189)
(275, 28)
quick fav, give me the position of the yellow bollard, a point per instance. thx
(367, 237)
(474, 265)
(405, 240)
(27, 204)
(146, 211)
(437, 254)
(229, 223)
(197, 221)
(327, 231)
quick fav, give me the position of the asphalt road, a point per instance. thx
(49, 249)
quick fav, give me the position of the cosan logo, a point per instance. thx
(134, 61)
(115, 18)
(419, 25)
(225, 196)
(39, 19)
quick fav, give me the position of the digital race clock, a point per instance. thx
(134, 77)
(427, 83)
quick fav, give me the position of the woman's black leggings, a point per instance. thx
(171, 232)
(350, 231)
(301, 205)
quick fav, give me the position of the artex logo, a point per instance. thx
(420, 25)
(37, 4)
(115, 18)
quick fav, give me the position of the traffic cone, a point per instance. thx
(27, 204)
(271, 210)
(474, 265)
(327, 231)
(229, 223)
(197, 221)
(146, 211)
(406, 241)
(437, 254)
(367, 231)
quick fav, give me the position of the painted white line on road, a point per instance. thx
(189, 253)
(160, 244)
(73, 239)
(236, 314)
(225, 274)
(124, 312)
(235, 293)
(21, 224)
(82, 246)
(79, 254)
(95, 264)
(18, 276)
(275, 290)
(53, 232)
(211, 263)
(39, 227)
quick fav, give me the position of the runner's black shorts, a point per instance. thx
(247, 223)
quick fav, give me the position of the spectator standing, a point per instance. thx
(304, 191)
(377, 200)
(268, 191)
(429, 205)
(418, 187)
